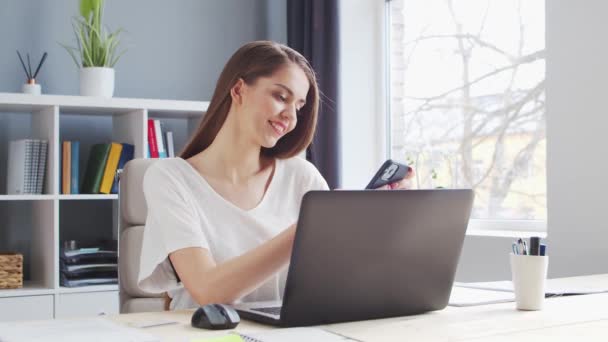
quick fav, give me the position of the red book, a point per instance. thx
(152, 139)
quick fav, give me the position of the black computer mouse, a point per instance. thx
(215, 316)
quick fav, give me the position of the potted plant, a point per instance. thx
(95, 54)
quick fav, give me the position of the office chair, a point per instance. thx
(133, 211)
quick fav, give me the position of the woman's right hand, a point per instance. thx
(209, 282)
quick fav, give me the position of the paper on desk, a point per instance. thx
(78, 330)
(463, 296)
(295, 335)
(554, 287)
(225, 338)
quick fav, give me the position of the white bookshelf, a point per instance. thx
(42, 117)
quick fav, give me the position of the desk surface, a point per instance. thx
(563, 319)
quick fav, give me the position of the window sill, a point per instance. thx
(507, 228)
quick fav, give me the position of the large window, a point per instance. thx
(467, 100)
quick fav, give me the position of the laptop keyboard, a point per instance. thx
(275, 310)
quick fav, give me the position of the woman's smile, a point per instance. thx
(278, 127)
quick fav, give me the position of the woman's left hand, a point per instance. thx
(404, 184)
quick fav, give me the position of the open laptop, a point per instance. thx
(368, 254)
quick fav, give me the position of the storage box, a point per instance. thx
(11, 270)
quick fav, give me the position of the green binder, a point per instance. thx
(95, 167)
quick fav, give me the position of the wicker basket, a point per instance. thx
(11, 271)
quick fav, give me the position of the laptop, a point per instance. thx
(368, 254)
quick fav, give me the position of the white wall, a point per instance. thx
(361, 90)
(577, 136)
(577, 166)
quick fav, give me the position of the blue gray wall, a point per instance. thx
(176, 50)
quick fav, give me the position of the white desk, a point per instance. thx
(581, 318)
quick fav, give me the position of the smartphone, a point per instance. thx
(389, 172)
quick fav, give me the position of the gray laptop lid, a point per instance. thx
(372, 254)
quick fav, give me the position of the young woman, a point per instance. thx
(221, 218)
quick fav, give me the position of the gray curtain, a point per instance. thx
(313, 30)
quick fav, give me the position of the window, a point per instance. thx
(467, 100)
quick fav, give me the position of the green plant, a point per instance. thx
(96, 47)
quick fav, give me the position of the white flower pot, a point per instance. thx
(97, 81)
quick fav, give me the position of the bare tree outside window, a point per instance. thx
(467, 86)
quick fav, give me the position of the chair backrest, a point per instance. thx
(133, 211)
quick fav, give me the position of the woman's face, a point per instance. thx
(270, 105)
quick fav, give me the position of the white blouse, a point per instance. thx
(185, 211)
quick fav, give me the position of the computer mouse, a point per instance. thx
(215, 316)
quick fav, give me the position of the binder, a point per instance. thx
(110, 168)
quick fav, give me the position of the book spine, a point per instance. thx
(27, 174)
(65, 168)
(74, 167)
(162, 152)
(34, 165)
(128, 151)
(15, 182)
(110, 169)
(44, 144)
(95, 168)
(152, 139)
(170, 147)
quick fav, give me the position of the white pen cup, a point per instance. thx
(529, 275)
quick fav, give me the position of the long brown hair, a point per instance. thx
(251, 61)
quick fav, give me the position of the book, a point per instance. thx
(152, 139)
(44, 145)
(162, 152)
(128, 152)
(29, 159)
(66, 149)
(110, 168)
(74, 155)
(170, 147)
(17, 159)
(34, 165)
(95, 168)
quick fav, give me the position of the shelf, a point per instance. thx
(60, 197)
(29, 289)
(92, 288)
(17, 102)
(26, 197)
(37, 225)
(88, 197)
(37, 289)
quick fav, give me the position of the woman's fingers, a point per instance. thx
(404, 184)
(410, 174)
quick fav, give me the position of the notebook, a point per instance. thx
(304, 334)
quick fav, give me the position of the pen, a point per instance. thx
(514, 248)
(521, 247)
(534, 245)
